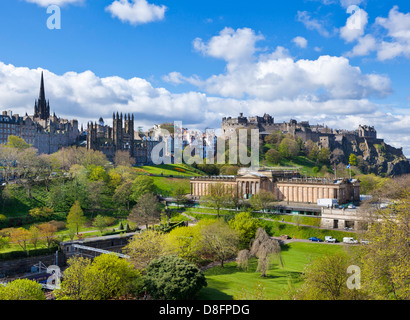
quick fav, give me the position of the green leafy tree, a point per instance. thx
(180, 195)
(185, 242)
(289, 148)
(353, 159)
(173, 278)
(106, 277)
(22, 289)
(17, 143)
(246, 226)
(273, 156)
(262, 201)
(325, 278)
(145, 247)
(100, 223)
(324, 155)
(141, 186)
(42, 212)
(218, 197)
(76, 217)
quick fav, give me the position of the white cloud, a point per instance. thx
(46, 3)
(355, 26)
(300, 42)
(136, 11)
(348, 3)
(395, 43)
(277, 75)
(235, 46)
(313, 24)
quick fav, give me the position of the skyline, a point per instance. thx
(199, 63)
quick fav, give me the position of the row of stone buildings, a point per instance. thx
(44, 132)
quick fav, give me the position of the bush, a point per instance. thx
(60, 225)
(173, 278)
(109, 221)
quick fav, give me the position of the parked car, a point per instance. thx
(330, 239)
(314, 239)
(364, 241)
(349, 240)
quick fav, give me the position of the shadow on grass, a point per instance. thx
(213, 294)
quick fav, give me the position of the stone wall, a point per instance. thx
(24, 265)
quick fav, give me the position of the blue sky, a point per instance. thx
(198, 61)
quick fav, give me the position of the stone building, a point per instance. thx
(46, 133)
(120, 137)
(286, 186)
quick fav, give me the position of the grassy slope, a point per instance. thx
(225, 283)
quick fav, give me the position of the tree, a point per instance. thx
(98, 173)
(111, 277)
(325, 279)
(22, 289)
(353, 159)
(173, 278)
(246, 226)
(76, 218)
(123, 158)
(185, 242)
(100, 223)
(264, 248)
(262, 200)
(385, 260)
(146, 211)
(20, 236)
(123, 194)
(40, 213)
(106, 277)
(273, 156)
(324, 156)
(75, 283)
(218, 196)
(17, 143)
(220, 239)
(141, 186)
(145, 247)
(179, 195)
(289, 148)
(48, 232)
(34, 236)
(274, 138)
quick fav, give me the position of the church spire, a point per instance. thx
(42, 107)
(42, 95)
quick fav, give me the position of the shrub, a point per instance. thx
(173, 278)
(109, 221)
(60, 225)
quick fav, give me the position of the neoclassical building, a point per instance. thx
(285, 185)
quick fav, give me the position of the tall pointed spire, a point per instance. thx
(42, 95)
(42, 107)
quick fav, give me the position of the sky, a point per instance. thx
(341, 63)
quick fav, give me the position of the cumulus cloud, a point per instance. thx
(236, 46)
(46, 3)
(300, 42)
(355, 25)
(136, 11)
(395, 43)
(277, 75)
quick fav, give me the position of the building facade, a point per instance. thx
(120, 137)
(286, 186)
(46, 133)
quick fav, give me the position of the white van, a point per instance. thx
(330, 239)
(349, 240)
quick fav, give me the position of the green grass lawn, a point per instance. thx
(225, 283)
(180, 170)
(167, 186)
